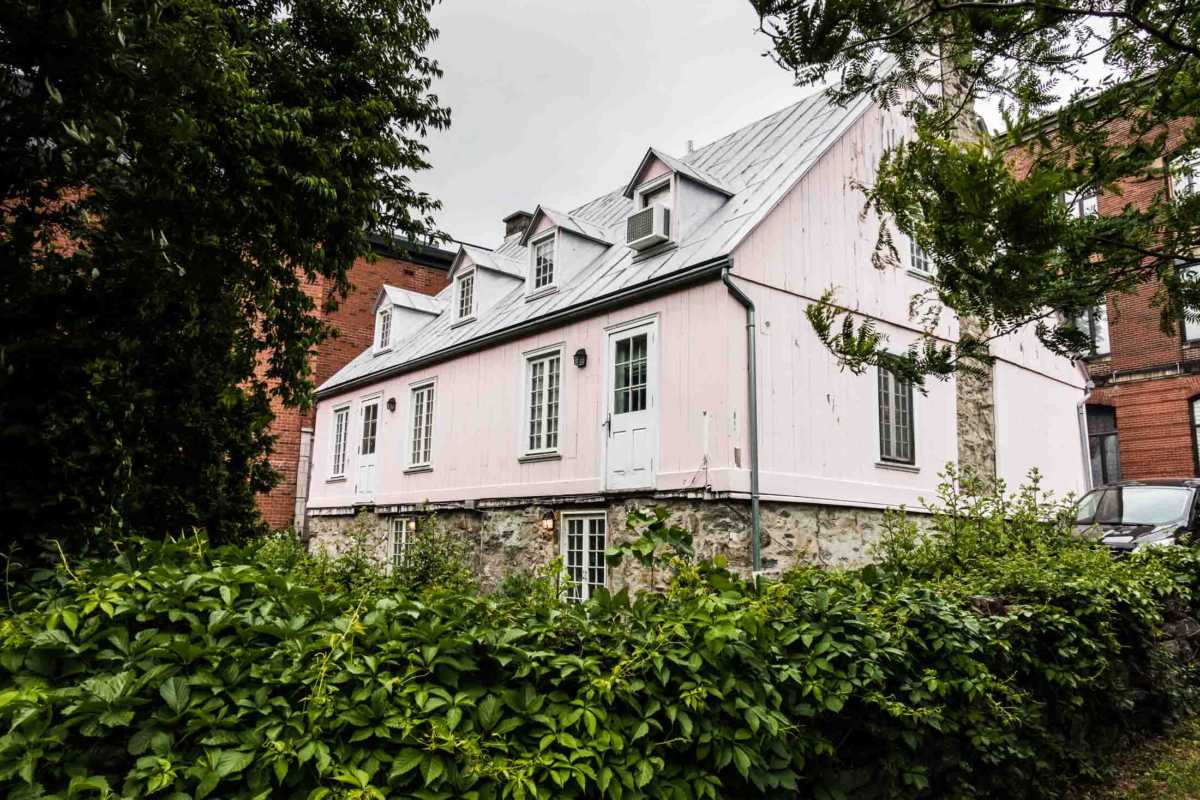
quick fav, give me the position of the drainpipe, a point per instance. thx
(752, 399)
(1084, 442)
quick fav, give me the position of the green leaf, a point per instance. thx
(176, 692)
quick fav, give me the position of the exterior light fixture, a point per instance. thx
(412, 521)
(581, 358)
(391, 404)
(548, 522)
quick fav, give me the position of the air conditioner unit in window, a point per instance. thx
(648, 227)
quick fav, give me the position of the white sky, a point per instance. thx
(555, 101)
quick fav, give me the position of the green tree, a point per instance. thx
(1008, 252)
(178, 174)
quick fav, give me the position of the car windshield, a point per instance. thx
(1134, 505)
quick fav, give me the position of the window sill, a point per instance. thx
(897, 466)
(419, 468)
(657, 250)
(336, 479)
(381, 350)
(542, 292)
(530, 458)
(462, 321)
(921, 276)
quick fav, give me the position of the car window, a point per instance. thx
(1086, 511)
(1143, 505)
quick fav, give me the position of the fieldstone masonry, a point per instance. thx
(511, 540)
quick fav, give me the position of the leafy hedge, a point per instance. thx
(998, 658)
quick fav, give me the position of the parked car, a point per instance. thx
(1129, 515)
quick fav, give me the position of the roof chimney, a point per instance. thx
(691, 147)
(516, 222)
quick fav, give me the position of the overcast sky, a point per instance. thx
(555, 101)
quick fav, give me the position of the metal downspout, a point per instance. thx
(752, 399)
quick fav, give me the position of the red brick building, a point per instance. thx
(1144, 409)
(420, 268)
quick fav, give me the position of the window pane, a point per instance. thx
(466, 295)
(659, 196)
(370, 422)
(422, 425)
(897, 432)
(1191, 316)
(341, 419)
(543, 263)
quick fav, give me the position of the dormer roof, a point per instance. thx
(564, 221)
(487, 259)
(691, 171)
(407, 299)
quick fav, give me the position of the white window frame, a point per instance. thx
(582, 592)
(340, 412)
(532, 357)
(892, 459)
(653, 185)
(917, 255)
(403, 527)
(1191, 162)
(383, 329)
(430, 407)
(1084, 204)
(1090, 322)
(459, 280)
(1190, 329)
(531, 288)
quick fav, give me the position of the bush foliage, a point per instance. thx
(999, 657)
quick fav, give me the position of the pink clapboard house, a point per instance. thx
(650, 348)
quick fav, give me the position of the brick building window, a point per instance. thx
(1185, 175)
(1084, 204)
(1103, 447)
(1191, 316)
(1194, 408)
(1095, 324)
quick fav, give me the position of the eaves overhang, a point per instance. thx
(697, 273)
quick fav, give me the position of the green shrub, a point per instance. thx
(174, 670)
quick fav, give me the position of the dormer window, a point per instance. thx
(543, 264)
(464, 304)
(384, 327)
(658, 194)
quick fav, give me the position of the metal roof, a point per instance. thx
(763, 160)
(410, 299)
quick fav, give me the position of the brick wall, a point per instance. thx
(1150, 375)
(354, 321)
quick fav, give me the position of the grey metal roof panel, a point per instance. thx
(763, 160)
(409, 299)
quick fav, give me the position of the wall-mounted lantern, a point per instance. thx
(391, 404)
(548, 524)
(581, 358)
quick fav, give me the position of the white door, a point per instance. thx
(632, 440)
(368, 436)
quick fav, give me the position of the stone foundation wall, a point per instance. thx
(512, 540)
